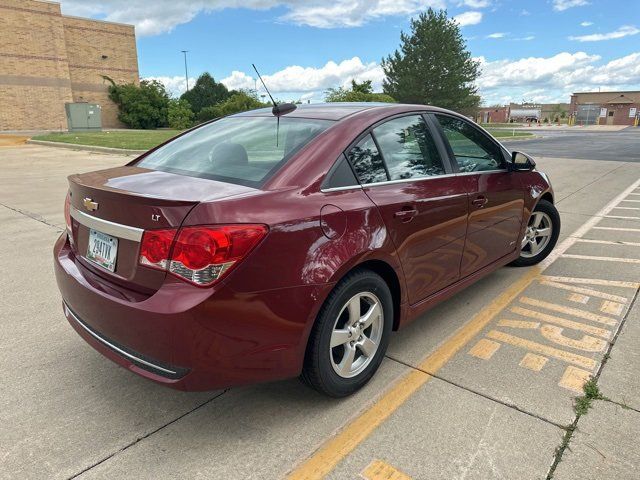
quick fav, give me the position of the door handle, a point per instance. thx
(406, 215)
(480, 201)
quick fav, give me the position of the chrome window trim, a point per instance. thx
(105, 226)
(68, 312)
(340, 189)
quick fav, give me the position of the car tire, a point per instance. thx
(350, 336)
(536, 247)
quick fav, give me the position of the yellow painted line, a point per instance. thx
(573, 358)
(519, 324)
(634, 194)
(631, 201)
(585, 291)
(574, 312)
(484, 349)
(336, 448)
(609, 242)
(627, 208)
(592, 281)
(533, 362)
(574, 378)
(379, 470)
(587, 343)
(603, 259)
(578, 298)
(621, 217)
(612, 308)
(545, 317)
(618, 229)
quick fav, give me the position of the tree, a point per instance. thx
(359, 92)
(433, 65)
(206, 93)
(238, 102)
(141, 106)
(179, 114)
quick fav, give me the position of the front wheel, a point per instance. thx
(350, 336)
(540, 236)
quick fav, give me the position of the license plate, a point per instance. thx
(102, 249)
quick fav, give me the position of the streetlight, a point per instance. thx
(186, 72)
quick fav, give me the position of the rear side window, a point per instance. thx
(408, 148)
(367, 162)
(340, 175)
(243, 150)
(473, 150)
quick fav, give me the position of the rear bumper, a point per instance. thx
(187, 337)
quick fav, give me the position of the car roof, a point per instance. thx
(321, 111)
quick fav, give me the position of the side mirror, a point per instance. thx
(521, 162)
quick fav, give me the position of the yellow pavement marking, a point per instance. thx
(533, 362)
(588, 343)
(634, 194)
(604, 259)
(600, 332)
(613, 308)
(379, 470)
(628, 208)
(574, 312)
(631, 201)
(484, 349)
(579, 360)
(574, 378)
(621, 217)
(518, 324)
(609, 242)
(585, 291)
(336, 448)
(618, 229)
(592, 281)
(578, 298)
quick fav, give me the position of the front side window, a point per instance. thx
(408, 148)
(367, 162)
(472, 149)
(243, 150)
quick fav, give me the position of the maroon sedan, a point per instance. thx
(265, 245)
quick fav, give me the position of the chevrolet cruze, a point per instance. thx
(291, 242)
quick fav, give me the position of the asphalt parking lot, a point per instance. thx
(483, 386)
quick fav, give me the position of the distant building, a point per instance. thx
(522, 112)
(48, 59)
(605, 108)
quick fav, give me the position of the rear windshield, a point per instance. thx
(243, 150)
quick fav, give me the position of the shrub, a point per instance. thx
(141, 106)
(179, 114)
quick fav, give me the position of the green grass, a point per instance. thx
(127, 139)
(501, 133)
(499, 124)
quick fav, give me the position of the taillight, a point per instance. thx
(67, 212)
(201, 255)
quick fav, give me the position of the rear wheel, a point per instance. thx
(350, 336)
(540, 236)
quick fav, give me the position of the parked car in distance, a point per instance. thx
(260, 247)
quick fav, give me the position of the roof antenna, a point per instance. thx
(277, 110)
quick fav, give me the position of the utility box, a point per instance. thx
(83, 116)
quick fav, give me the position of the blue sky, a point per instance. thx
(538, 50)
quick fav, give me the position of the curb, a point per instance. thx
(518, 138)
(86, 148)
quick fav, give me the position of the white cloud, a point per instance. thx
(526, 39)
(475, 3)
(586, 24)
(176, 86)
(161, 16)
(560, 5)
(468, 18)
(497, 35)
(549, 79)
(525, 13)
(622, 32)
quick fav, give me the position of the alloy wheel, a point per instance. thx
(537, 235)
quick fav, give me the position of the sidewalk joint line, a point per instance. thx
(32, 216)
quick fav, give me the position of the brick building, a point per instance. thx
(605, 108)
(48, 59)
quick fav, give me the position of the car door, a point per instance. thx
(496, 198)
(406, 174)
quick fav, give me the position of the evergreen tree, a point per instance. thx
(433, 65)
(206, 93)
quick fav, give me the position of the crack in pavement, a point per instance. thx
(32, 216)
(480, 394)
(590, 183)
(147, 435)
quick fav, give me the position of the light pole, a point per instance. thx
(186, 72)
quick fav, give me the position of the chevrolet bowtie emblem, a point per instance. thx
(90, 204)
